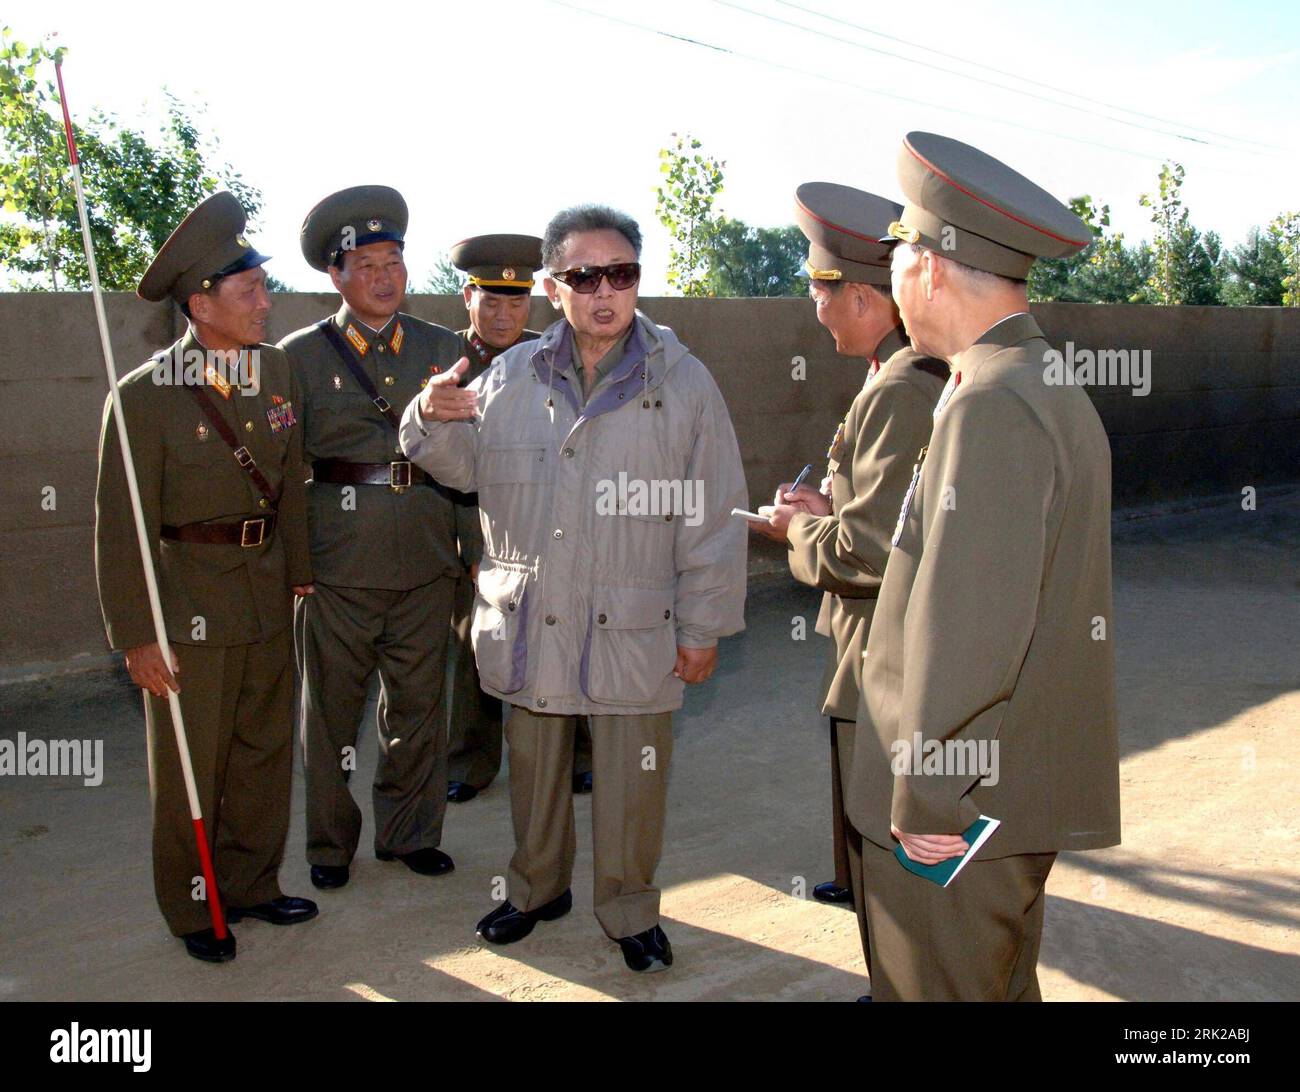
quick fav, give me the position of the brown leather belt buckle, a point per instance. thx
(243, 456)
(245, 535)
(399, 476)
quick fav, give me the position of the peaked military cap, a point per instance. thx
(207, 245)
(973, 208)
(352, 218)
(499, 263)
(844, 227)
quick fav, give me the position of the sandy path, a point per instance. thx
(1201, 902)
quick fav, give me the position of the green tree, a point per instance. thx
(137, 188)
(685, 206)
(445, 279)
(1188, 266)
(1105, 271)
(29, 169)
(754, 261)
(1256, 269)
(1286, 230)
(1116, 273)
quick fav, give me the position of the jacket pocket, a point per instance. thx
(510, 465)
(500, 627)
(631, 646)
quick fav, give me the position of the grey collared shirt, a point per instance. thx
(604, 365)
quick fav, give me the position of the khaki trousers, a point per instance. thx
(629, 801)
(237, 703)
(976, 940)
(474, 718)
(342, 636)
(841, 829)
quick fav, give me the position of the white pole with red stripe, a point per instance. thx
(146, 547)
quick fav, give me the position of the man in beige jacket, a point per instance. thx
(989, 682)
(606, 467)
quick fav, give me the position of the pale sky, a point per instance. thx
(492, 116)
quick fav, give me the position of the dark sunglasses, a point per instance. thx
(586, 278)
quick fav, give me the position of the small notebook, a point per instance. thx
(945, 872)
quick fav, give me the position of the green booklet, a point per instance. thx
(945, 872)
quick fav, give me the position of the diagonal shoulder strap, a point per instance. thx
(242, 455)
(332, 335)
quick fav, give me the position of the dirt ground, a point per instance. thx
(1201, 902)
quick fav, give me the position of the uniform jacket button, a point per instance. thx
(248, 426)
(541, 703)
(550, 619)
(601, 619)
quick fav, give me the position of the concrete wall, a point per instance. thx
(1223, 412)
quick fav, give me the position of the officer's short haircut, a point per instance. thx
(185, 307)
(833, 287)
(582, 218)
(977, 280)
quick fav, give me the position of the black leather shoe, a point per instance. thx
(328, 876)
(506, 923)
(582, 782)
(460, 791)
(648, 951)
(204, 945)
(865, 997)
(427, 862)
(281, 910)
(833, 893)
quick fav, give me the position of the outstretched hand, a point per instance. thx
(443, 399)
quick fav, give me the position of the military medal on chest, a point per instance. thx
(202, 431)
(338, 382)
(280, 416)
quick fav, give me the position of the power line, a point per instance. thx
(967, 76)
(1019, 126)
(1024, 79)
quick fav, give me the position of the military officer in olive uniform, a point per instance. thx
(383, 546)
(499, 280)
(217, 447)
(993, 632)
(838, 538)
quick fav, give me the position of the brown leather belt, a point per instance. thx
(249, 532)
(397, 476)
